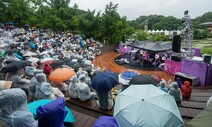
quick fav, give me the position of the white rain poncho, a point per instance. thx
(44, 91)
(73, 87)
(83, 90)
(13, 109)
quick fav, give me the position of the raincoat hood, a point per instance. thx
(41, 77)
(187, 83)
(175, 85)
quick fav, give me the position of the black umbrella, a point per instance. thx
(11, 51)
(15, 66)
(142, 80)
(57, 63)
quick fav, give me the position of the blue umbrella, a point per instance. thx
(104, 81)
(128, 75)
(35, 104)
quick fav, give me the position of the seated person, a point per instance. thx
(46, 91)
(186, 90)
(83, 90)
(163, 87)
(13, 109)
(73, 87)
(179, 82)
(176, 92)
(105, 100)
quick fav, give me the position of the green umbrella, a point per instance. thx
(203, 119)
(35, 104)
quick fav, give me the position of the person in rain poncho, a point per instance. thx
(33, 83)
(73, 87)
(163, 87)
(83, 90)
(176, 92)
(19, 82)
(13, 109)
(43, 86)
(105, 100)
(186, 90)
(87, 78)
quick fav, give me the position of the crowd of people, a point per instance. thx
(33, 52)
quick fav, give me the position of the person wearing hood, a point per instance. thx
(73, 87)
(33, 83)
(186, 90)
(179, 82)
(19, 82)
(44, 90)
(105, 100)
(163, 87)
(176, 92)
(83, 90)
(13, 109)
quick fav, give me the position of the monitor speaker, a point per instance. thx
(176, 43)
(207, 59)
(176, 58)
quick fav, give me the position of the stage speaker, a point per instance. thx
(207, 59)
(176, 43)
(124, 38)
(186, 77)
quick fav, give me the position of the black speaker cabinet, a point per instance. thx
(207, 59)
(186, 77)
(176, 43)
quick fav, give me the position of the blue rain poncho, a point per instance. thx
(13, 109)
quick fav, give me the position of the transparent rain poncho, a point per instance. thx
(13, 109)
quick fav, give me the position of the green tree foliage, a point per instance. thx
(142, 35)
(59, 16)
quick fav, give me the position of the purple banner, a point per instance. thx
(172, 66)
(198, 69)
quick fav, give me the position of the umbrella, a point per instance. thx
(46, 60)
(125, 77)
(57, 63)
(146, 106)
(87, 62)
(203, 119)
(104, 81)
(35, 104)
(30, 54)
(33, 59)
(61, 74)
(11, 51)
(15, 66)
(143, 79)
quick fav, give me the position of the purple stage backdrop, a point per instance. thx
(195, 68)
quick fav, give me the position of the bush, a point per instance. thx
(206, 50)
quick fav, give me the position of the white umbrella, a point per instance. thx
(146, 106)
(33, 60)
(30, 54)
(46, 59)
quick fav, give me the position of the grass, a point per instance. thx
(204, 44)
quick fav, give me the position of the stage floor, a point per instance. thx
(107, 60)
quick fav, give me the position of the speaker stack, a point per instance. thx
(176, 47)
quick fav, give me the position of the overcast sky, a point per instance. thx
(135, 8)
